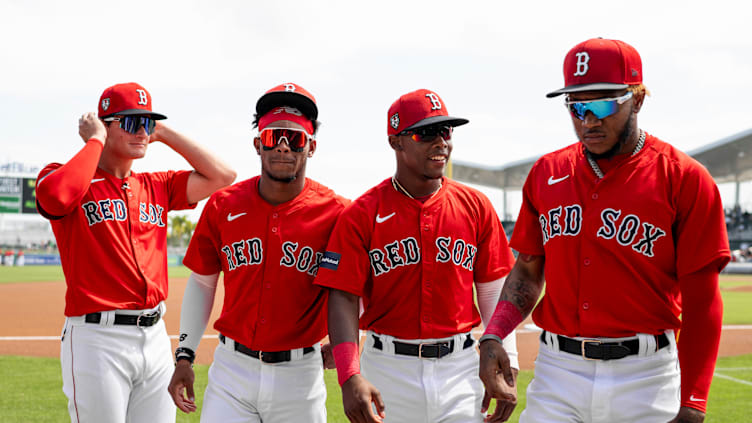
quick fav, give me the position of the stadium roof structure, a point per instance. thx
(728, 160)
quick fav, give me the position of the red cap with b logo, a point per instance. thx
(419, 109)
(291, 95)
(600, 64)
(127, 99)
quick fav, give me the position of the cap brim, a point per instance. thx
(140, 112)
(587, 87)
(435, 120)
(301, 102)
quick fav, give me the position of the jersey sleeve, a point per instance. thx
(527, 237)
(494, 258)
(60, 188)
(345, 265)
(202, 254)
(178, 190)
(700, 226)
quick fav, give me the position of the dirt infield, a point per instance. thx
(36, 310)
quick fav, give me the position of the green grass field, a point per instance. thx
(32, 391)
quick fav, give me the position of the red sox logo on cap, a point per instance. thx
(600, 64)
(419, 109)
(395, 120)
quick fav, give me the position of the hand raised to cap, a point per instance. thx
(89, 126)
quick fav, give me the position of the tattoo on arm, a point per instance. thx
(523, 294)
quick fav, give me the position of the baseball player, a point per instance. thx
(267, 236)
(412, 248)
(111, 228)
(628, 233)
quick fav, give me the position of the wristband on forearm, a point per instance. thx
(183, 353)
(347, 361)
(505, 319)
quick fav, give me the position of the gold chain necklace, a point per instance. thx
(399, 188)
(597, 169)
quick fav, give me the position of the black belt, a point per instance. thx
(436, 350)
(140, 320)
(265, 356)
(594, 349)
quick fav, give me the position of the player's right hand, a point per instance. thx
(357, 396)
(182, 380)
(89, 126)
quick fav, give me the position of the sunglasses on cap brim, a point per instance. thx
(132, 124)
(429, 133)
(601, 108)
(296, 138)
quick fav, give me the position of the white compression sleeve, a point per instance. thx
(488, 297)
(196, 309)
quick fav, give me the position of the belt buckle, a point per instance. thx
(589, 341)
(420, 349)
(150, 315)
(261, 357)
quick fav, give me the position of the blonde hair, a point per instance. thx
(639, 90)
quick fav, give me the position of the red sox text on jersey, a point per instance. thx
(115, 209)
(406, 252)
(250, 252)
(624, 230)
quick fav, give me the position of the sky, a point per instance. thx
(206, 63)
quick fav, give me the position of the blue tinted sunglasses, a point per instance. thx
(601, 108)
(132, 124)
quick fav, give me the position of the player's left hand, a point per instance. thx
(500, 380)
(689, 415)
(327, 356)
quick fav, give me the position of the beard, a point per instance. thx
(285, 179)
(624, 135)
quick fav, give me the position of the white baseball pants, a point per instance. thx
(425, 390)
(245, 389)
(637, 388)
(116, 373)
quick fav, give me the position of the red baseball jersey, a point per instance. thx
(615, 247)
(113, 244)
(414, 263)
(269, 256)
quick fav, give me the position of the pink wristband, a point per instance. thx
(347, 360)
(505, 319)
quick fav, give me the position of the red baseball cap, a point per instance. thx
(291, 95)
(600, 64)
(419, 109)
(126, 99)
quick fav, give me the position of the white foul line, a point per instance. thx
(743, 382)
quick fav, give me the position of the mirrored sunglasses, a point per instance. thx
(601, 108)
(132, 124)
(429, 133)
(295, 138)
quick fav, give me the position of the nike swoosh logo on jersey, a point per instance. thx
(552, 181)
(97, 180)
(380, 219)
(693, 398)
(230, 217)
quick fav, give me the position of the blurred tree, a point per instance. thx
(179, 231)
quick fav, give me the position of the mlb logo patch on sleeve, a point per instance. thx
(330, 260)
